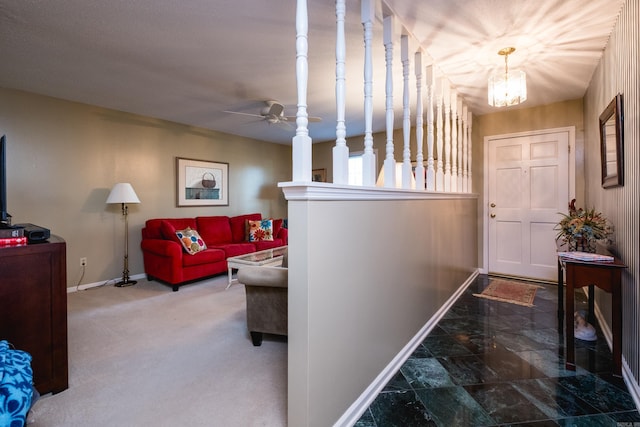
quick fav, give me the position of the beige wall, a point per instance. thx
(64, 157)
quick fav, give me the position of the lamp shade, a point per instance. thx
(123, 192)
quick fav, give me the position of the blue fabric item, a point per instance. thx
(16, 386)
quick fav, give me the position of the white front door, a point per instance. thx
(528, 185)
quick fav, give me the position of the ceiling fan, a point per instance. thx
(273, 113)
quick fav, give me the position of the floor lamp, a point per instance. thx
(123, 193)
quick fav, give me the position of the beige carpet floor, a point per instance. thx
(147, 356)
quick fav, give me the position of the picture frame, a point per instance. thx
(612, 144)
(201, 183)
(319, 175)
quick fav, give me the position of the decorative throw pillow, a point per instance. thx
(191, 241)
(260, 230)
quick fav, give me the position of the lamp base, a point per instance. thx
(124, 283)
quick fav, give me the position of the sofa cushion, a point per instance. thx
(168, 231)
(268, 244)
(206, 256)
(239, 226)
(260, 230)
(215, 230)
(277, 225)
(191, 240)
(153, 227)
(235, 249)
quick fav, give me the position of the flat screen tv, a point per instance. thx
(5, 218)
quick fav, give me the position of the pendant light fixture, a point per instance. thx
(508, 88)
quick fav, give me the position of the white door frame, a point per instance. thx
(571, 130)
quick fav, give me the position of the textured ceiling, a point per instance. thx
(190, 61)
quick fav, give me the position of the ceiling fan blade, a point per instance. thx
(311, 119)
(244, 114)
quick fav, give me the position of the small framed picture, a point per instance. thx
(201, 183)
(319, 175)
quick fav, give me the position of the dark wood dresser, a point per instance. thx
(33, 308)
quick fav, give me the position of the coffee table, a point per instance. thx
(266, 258)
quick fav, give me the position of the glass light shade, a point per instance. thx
(123, 193)
(507, 88)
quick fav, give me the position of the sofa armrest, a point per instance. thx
(162, 247)
(275, 277)
(284, 235)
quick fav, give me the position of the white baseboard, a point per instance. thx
(103, 283)
(357, 408)
(627, 375)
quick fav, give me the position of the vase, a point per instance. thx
(582, 244)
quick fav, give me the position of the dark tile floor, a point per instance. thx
(491, 363)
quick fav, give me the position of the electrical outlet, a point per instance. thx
(83, 262)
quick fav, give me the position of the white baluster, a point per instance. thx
(447, 134)
(439, 136)
(470, 148)
(389, 160)
(406, 114)
(341, 150)
(454, 141)
(420, 182)
(431, 172)
(460, 147)
(368, 160)
(301, 143)
(465, 153)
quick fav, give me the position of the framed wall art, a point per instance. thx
(319, 175)
(201, 183)
(612, 144)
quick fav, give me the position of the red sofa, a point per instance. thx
(167, 261)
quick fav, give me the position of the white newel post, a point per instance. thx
(465, 154)
(454, 141)
(420, 182)
(431, 172)
(406, 114)
(368, 161)
(469, 125)
(301, 150)
(447, 134)
(439, 137)
(389, 159)
(460, 148)
(341, 150)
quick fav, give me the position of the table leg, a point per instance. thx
(560, 296)
(230, 278)
(616, 320)
(591, 315)
(569, 334)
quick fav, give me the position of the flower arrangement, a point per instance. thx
(581, 228)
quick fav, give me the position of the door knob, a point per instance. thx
(493, 205)
(493, 215)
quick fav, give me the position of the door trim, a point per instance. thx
(571, 130)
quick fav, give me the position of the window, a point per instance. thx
(356, 166)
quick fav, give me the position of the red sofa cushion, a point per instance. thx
(214, 230)
(154, 230)
(268, 244)
(203, 257)
(277, 225)
(239, 226)
(235, 249)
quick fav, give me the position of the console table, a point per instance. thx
(33, 308)
(606, 276)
